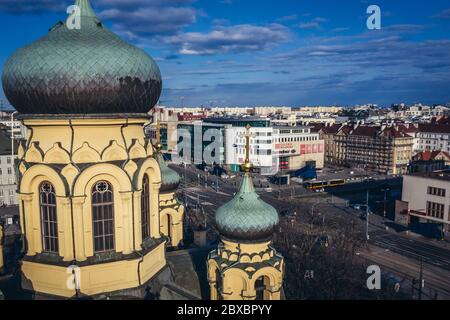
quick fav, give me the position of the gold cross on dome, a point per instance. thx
(247, 166)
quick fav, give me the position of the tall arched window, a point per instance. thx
(49, 225)
(103, 217)
(145, 208)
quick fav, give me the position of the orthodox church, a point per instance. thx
(98, 209)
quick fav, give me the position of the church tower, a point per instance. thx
(171, 210)
(89, 184)
(245, 266)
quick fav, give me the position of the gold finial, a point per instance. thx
(247, 165)
(158, 144)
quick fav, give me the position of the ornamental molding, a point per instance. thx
(114, 152)
(137, 150)
(86, 154)
(34, 153)
(57, 155)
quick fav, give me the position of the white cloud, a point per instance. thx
(233, 39)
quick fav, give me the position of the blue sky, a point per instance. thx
(270, 52)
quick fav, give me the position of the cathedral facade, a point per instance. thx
(96, 210)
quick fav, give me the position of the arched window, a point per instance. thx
(103, 217)
(49, 225)
(145, 208)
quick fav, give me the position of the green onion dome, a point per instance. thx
(246, 218)
(81, 71)
(170, 179)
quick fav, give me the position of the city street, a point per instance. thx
(399, 253)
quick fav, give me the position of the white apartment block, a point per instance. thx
(434, 137)
(426, 199)
(261, 144)
(8, 187)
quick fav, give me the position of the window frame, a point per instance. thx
(145, 208)
(99, 208)
(49, 218)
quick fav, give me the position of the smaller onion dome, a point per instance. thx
(246, 217)
(170, 180)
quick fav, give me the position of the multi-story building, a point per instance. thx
(296, 147)
(18, 129)
(8, 186)
(434, 136)
(386, 150)
(272, 148)
(425, 199)
(429, 161)
(383, 149)
(234, 142)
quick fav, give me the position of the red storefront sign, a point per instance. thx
(311, 148)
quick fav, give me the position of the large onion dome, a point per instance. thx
(170, 179)
(246, 218)
(81, 71)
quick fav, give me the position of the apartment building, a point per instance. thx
(434, 136)
(383, 149)
(425, 199)
(8, 187)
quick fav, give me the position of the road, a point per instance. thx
(397, 251)
(436, 280)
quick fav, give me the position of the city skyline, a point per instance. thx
(239, 53)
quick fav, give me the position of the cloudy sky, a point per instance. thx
(270, 52)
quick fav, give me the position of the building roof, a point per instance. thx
(240, 121)
(408, 128)
(290, 127)
(432, 155)
(434, 128)
(332, 129)
(394, 133)
(367, 131)
(438, 175)
(89, 70)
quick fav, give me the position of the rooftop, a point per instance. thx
(290, 127)
(437, 175)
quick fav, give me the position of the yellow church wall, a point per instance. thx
(122, 131)
(151, 168)
(29, 188)
(122, 207)
(240, 268)
(95, 141)
(94, 279)
(244, 248)
(170, 207)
